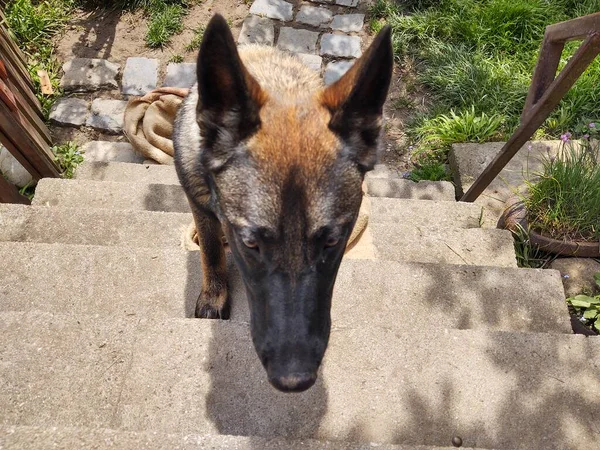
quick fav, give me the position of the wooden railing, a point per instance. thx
(22, 128)
(547, 89)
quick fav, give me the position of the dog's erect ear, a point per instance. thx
(356, 100)
(229, 97)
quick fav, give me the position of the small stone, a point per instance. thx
(107, 115)
(457, 441)
(297, 41)
(69, 112)
(12, 169)
(140, 76)
(577, 275)
(182, 75)
(348, 22)
(88, 74)
(257, 30)
(348, 3)
(340, 45)
(335, 70)
(105, 151)
(315, 16)
(273, 9)
(312, 61)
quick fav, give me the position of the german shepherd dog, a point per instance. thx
(274, 160)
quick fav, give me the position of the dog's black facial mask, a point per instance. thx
(288, 219)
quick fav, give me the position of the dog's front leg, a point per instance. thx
(213, 302)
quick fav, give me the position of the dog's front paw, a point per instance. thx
(213, 306)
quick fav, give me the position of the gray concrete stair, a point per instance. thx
(39, 438)
(398, 242)
(377, 384)
(164, 283)
(389, 186)
(170, 197)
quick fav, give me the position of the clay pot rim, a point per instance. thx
(516, 214)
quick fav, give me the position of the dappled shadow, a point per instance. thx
(98, 33)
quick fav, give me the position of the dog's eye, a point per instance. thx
(250, 243)
(332, 241)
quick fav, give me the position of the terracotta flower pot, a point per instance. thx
(516, 214)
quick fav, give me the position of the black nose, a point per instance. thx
(294, 382)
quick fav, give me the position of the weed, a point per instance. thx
(565, 202)
(176, 59)
(528, 255)
(68, 157)
(165, 21)
(587, 307)
(194, 45)
(403, 103)
(27, 191)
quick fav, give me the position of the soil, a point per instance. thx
(117, 35)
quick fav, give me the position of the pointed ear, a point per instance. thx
(356, 100)
(229, 97)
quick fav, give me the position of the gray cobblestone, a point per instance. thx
(340, 45)
(273, 9)
(107, 115)
(297, 41)
(335, 70)
(312, 61)
(139, 76)
(88, 74)
(349, 3)
(348, 22)
(257, 30)
(70, 112)
(181, 75)
(315, 16)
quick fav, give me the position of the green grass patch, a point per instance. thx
(479, 56)
(68, 156)
(194, 44)
(166, 20)
(565, 202)
(33, 25)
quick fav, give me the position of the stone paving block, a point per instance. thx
(106, 151)
(312, 61)
(126, 172)
(70, 111)
(297, 41)
(340, 45)
(139, 76)
(107, 115)
(348, 22)
(335, 70)
(273, 9)
(323, 2)
(88, 74)
(257, 30)
(314, 16)
(181, 75)
(348, 3)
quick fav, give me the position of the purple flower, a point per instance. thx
(566, 276)
(410, 147)
(565, 137)
(529, 147)
(592, 125)
(407, 174)
(586, 136)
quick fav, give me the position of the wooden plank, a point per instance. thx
(7, 96)
(45, 82)
(39, 156)
(26, 91)
(575, 29)
(9, 49)
(10, 194)
(30, 114)
(3, 72)
(19, 156)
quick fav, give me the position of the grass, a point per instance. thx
(166, 20)
(528, 255)
(565, 202)
(68, 156)
(475, 59)
(194, 44)
(34, 24)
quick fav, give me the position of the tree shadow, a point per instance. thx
(99, 25)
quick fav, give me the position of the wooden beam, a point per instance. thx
(10, 194)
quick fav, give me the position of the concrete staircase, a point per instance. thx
(436, 333)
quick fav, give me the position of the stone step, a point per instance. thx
(398, 242)
(41, 438)
(493, 389)
(400, 188)
(169, 197)
(388, 186)
(165, 283)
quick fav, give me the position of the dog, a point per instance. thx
(275, 161)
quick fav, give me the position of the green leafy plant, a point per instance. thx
(176, 59)
(528, 255)
(564, 203)
(165, 21)
(588, 308)
(194, 44)
(68, 157)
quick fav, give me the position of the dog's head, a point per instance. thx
(285, 172)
